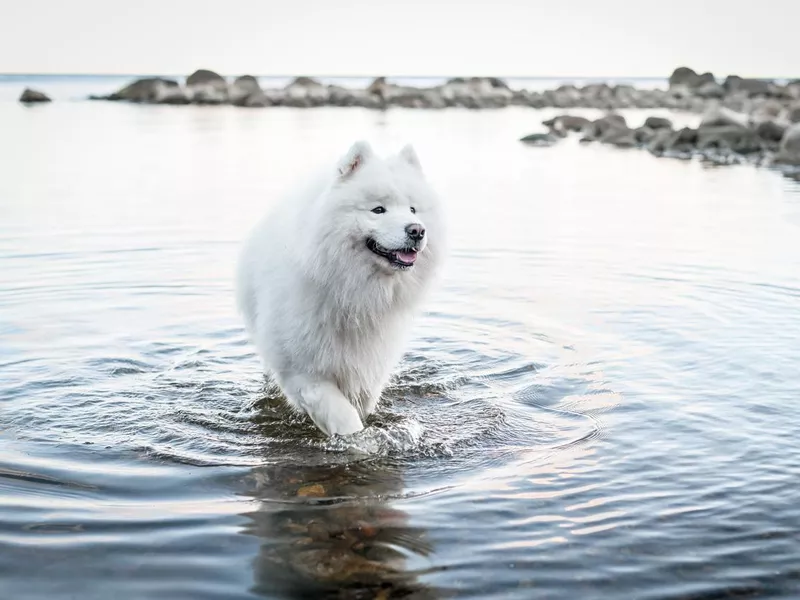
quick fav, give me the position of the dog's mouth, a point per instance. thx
(401, 258)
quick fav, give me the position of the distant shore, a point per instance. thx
(744, 119)
(687, 91)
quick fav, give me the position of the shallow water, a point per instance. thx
(600, 400)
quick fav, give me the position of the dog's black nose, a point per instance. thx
(415, 231)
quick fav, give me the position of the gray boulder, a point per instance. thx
(770, 131)
(683, 76)
(721, 117)
(752, 87)
(766, 109)
(789, 152)
(476, 92)
(539, 139)
(384, 93)
(207, 87)
(731, 138)
(151, 90)
(565, 123)
(30, 96)
(794, 113)
(305, 92)
(682, 141)
(342, 96)
(658, 123)
(689, 78)
(660, 140)
(243, 89)
(170, 94)
(621, 137)
(600, 126)
(257, 100)
(710, 89)
(644, 135)
(381, 89)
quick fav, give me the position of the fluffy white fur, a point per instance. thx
(329, 315)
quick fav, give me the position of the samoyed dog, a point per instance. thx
(330, 281)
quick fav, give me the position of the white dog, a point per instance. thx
(329, 283)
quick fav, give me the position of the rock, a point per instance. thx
(243, 89)
(314, 490)
(683, 76)
(729, 137)
(381, 94)
(710, 89)
(30, 96)
(171, 95)
(565, 123)
(567, 96)
(498, 83)
(206, 77)
(304, 81)
(341, 96)
(686, 78)
(766, 109)
(381, 89)
(770, 131)
(682, 141)
(151, 90)
(539, 139)
(706, 78)
(207, 87)
(612, 119)
(257, 99)
(603, 124)
(721, 117)
(738, 102)
(433, 99)
(794, 113)
(306, 92)
(658, 143)
(377, 85)
(492, 82)
(643, 135)
(752, 87)
(658, 123)
(622, 137)
(476, 92)
(789, 152)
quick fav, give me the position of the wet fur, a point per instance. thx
(329, 317)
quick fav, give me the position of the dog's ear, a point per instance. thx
(359, 153)
(409, 155)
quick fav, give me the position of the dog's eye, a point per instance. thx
(413, 210)
(379, 210)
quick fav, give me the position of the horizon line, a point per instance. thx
(341, 75)
(365, 76)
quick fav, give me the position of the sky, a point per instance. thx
(593, 38)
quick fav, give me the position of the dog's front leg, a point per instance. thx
(324, 402)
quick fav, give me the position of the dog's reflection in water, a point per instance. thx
(329, 532)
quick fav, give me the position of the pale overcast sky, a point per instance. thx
(412, 37)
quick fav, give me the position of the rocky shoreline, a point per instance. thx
(687, 91)
(744, 120)
(721, 137)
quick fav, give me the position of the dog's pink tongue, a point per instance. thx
(407, 257)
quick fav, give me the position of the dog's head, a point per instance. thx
(384, 207)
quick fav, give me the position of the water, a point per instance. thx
(600, 400)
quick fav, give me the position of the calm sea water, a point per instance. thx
(600, 401)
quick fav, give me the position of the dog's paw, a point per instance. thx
(341, 422)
